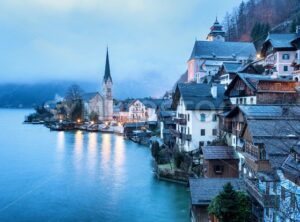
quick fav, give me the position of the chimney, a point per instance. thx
(214, 90)
(298, 30)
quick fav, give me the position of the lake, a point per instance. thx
(79, 176)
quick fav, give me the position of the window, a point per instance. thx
(282, 193)
(214, 132)
(251, 100)
(203, 132)
(219, 169)
(293, 201)
(188, 117)
(202, 117)
(237, 101)
(214, 118)
(274, 187)
(201, 144)
(285, 68)
(286, 56)
(296, 55)
(241, 100)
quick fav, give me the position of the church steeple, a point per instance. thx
(216, 32)
(107, 75)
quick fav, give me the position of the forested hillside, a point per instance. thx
(253, 19)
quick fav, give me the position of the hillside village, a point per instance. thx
(234, 116)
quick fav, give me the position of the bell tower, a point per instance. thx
(216, 32)
(107, 91)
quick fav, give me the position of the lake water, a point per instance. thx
(78, 176)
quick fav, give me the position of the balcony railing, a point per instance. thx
(186, 137)
(175, 133)
(265, 200)
(180, 121)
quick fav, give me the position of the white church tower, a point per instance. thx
(107, 91)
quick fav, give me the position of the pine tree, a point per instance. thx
(230, 205)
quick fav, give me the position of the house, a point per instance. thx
(296, 62)
(261, 89)
(207, 57)
(220, 162)
(279, 52)
(143, 110)
(229, 70)
(204, 190)
(267, 142)
(197, 107)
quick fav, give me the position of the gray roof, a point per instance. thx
(223, 50)
(88, 96)
(219, 153)
(198, 96)
(281, 40)
(291, 167)
(204, 190)
(232, 67)
(261, 110)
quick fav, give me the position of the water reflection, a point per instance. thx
(106, 149)
(119, 155)
(78, 149)
(92, 151)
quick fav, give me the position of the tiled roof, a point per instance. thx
(219, 153)
(222, 50)
(261, 110)
(291, 167)
(204, 190)
(198, 96)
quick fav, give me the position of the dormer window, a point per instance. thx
(202, 117)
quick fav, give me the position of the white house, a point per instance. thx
(197, 107)
(140, 110)
(279, 52)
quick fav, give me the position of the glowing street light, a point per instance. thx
(78, 120)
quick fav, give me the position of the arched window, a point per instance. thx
(202, 117)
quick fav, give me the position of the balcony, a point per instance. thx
(180, 121)
(265, 200)
(175, 133)
(186, 137)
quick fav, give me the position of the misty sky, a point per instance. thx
(149, 40)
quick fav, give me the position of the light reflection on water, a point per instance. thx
(80, 176)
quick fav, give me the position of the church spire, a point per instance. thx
(107, 75)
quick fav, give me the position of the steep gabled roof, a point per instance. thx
(198, 96)
(281, 40)
(219, 153)
(222, 50)
(88, 96)
(232, 67)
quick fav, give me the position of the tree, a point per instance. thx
(155, 149)
(231, 205)
(74, 92)
(295, 23)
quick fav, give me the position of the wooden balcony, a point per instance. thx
(265, 200)
(175, 133)
(186, 137)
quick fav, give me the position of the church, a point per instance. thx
(100, 104)
(208, 56)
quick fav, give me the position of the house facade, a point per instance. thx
(140, 110)
(197, 107)
(279, 52)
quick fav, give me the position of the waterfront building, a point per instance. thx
(197, 107)
(279, 52)
(100, 104)
(141, 110)
(296, 62)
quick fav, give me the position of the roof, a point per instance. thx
(149, 102)
(204, 190)
(291, 167)
(88, 96)
(107, 75)
(232, 67)
(252, 80)
(281, 40)
(219, 153)
(261, 110)
(219, 49)
(198, 96)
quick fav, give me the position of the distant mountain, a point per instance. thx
(15, 95)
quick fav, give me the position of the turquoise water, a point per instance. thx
(79, 176)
